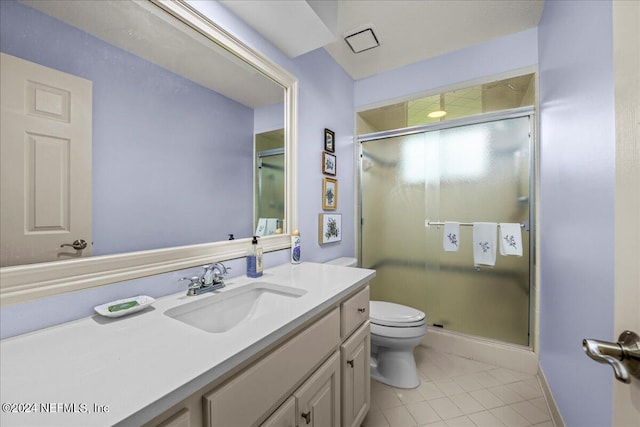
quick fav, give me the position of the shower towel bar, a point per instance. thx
(428, 223)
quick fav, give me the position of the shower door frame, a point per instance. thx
(530, 226)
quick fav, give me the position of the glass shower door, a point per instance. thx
(270, 186)
(471, 173)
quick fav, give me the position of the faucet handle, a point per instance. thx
(219, 271)
(194, 281)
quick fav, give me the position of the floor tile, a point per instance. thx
(433, 372)
(460, 422)
(540, 403)
(509, 417)
(505, 394)
(407, 396)
(487, 399)
(423, 413)
(545, 424)
(399, 417)
(505, 376)
(468, 383)
(445, 408)
(525, 390)
(375, 419)
(485, 419)
(459, 392)
(448, 387)
(436, 424)
(531, 412)
(429, 390)
(486, 380)
(385, 398)
(466, 403)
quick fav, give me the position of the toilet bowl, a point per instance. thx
(396, 330)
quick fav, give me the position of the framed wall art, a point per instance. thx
(329, 194)
(328, 163)
(329, 141)
(329, 228)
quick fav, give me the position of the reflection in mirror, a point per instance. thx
(137, 132)
(269, 183)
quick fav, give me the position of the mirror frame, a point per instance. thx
(32, 281)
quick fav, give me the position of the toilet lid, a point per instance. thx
(390, 314)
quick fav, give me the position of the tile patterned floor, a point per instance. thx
(459, 392)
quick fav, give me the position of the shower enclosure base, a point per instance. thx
(504, 355)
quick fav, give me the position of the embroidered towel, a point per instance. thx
(484, 243)
(510, 239)
(451, 236)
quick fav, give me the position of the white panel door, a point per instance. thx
(45, 159)
(626, 33)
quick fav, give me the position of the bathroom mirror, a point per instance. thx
(170, 172)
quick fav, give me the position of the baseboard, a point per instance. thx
(515, 357)
(556, 417)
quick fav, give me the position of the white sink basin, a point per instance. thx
(222, 312)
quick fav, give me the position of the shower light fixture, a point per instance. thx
(437, 114)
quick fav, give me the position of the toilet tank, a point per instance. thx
(344, 261)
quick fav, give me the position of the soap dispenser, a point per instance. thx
(254, 259)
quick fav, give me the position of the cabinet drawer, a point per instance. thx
(354, 312)
(244, 400)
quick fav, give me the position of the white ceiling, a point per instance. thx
(408, 30)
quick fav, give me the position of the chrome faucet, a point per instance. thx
(211, 279)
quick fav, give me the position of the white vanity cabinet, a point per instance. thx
(285, 416)
(318, 376)
(318, 399)
(356, 379)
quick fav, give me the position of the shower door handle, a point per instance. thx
(623, 356)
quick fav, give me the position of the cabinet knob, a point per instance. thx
(350, 362)
(362, 310)
(307, 416)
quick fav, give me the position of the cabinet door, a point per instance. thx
(285, 415)
(356, 378)
(181, 419)
(318, 399)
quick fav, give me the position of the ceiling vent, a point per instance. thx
(362, 39)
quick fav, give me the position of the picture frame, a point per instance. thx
(329, 194)
(329, 228)
(329, 140)
(329, 165)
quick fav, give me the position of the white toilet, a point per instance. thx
(396, 330)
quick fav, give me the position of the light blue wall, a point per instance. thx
(325, 100)
(326, 95)
(577, 189)
(509, 53)
(157, 140)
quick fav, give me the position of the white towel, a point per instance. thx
(484, 243)
(451, 237)
(510, 239)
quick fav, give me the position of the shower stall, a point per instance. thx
(477, 169)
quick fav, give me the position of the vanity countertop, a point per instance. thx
(103, 371)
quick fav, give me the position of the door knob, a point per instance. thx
(623, 356)
(78, 245)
